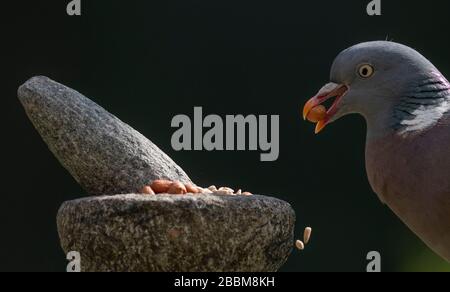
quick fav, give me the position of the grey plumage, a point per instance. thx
(406, 104)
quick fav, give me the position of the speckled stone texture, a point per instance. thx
(178, 233)
(103, 154)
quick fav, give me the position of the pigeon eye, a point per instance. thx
(366, 71)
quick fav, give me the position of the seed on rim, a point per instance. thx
(223, 193)
(160, 186)
(226, 189)
(206, 191)
(177, 188)
(192, 189)
(147, 190)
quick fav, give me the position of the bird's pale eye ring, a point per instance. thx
(366, 71)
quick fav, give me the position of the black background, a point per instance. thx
(146, 61)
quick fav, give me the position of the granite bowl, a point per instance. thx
(167, 233)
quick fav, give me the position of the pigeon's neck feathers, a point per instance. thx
(422, 105)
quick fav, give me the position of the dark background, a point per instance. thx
(146, 61)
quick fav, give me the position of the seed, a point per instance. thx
(192, 189)
(300, 245)
(317, 114)
(177, 188)
(223, 193)
(161, 186)
(307, 234)
(147, 190)
(206, 191)
(226, 189)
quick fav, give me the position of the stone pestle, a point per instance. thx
(103, 154)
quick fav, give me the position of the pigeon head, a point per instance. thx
(393, 86)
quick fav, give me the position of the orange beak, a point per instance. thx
(328, 91)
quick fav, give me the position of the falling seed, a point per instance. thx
(300, 245)
(307, 235)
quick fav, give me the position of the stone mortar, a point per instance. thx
(146, 233)
(167, 233)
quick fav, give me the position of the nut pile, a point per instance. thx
(178, 188)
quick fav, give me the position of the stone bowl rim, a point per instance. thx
(170, 198)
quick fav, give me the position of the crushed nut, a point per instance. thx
(162, 186)
(147, 191)
(177, 188)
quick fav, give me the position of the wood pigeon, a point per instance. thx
(405, 101)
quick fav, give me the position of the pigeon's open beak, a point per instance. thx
(329, 91)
